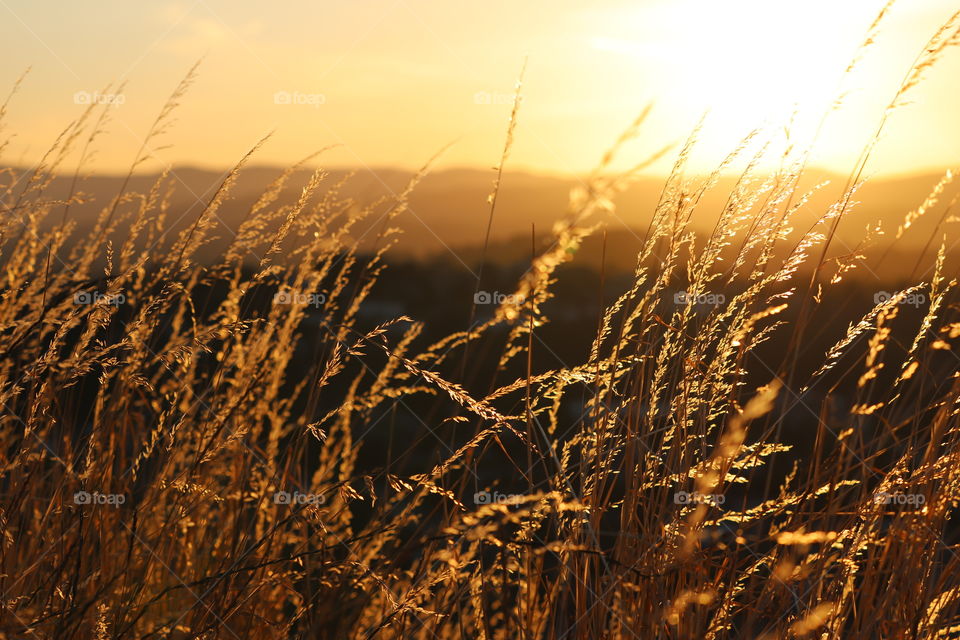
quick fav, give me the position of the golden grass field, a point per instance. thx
(183, 451)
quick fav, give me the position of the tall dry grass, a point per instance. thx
(181, 442)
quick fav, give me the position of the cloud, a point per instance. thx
(192, 34)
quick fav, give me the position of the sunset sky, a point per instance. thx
(394, 81)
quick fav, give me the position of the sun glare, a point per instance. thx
(750, 63)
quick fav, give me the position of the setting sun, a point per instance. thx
(748, 63)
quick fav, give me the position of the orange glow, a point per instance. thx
(393, 82)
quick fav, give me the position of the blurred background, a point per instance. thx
(394, 81)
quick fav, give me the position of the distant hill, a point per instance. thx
(448, 210)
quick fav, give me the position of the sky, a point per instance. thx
(392, 82)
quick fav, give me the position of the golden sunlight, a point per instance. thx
(748, 63)
(591, 69)
(430, 320)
